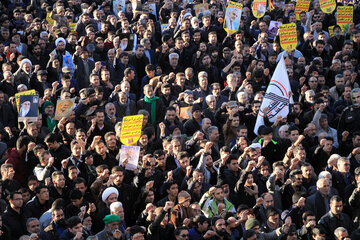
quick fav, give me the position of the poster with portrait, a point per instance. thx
(131, 154)
(127, 42)
(64, 108)
(118, 6)
(274, 28)
(185, 113)
(17, 96)
(68, 61)
(258, 8)
(233, 17)
(163, 27)
(152, 9)
(201, 8)
(29, 107)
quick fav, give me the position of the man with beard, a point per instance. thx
(49, 115)
(219, 229)
(33, 226)
(111, 230)
(249, 120)
(25, 109)
(124, 106)
(61, 53)
(24, 73)
(337, 90)
(37, 57)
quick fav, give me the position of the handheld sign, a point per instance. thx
(258, 8)
(17, 96)
(327, 6)
(301, 6)
(131, 155)
(288, 36)
(233, 17)
(131, 129)
(29, 107)
(201, 8)
(64, 108)
(344, 16)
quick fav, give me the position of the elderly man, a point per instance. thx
(111, 230)
(117, 209)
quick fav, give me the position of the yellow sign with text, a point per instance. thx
(258, 8)
(327, 6)
(344, 16)
(301, 6)
(131, 129)
(288, 36)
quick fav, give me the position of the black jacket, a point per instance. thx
(329, 222)
(34, 209)
(16, 222)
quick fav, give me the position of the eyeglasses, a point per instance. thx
(184, 235)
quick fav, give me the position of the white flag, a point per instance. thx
(277, 97)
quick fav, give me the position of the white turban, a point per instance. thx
(60, 39)
(25, 61)
(109, 191)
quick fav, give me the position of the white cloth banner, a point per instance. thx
(277, 97)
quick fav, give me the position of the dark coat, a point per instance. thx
(160, 109)
(329, 222)
(15, 222)
(34, 209)
(315, 203)
(121, 109)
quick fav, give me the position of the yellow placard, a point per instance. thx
(49, 19)
(72, 26)
(344, 16)
(131, 129)
(288, 36)
(301, 6)
(327, 6)
(259, 8)
(17, 96)
(331, 30)
(233, 17)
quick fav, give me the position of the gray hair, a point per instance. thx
(108, 105)
(323, 174)
(173, 55)
(211, 129)
(209, 97)
(143, 112)
(202, 74)
(29, 220)
(115, 205)
(338, 231)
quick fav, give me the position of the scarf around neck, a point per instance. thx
(153, 107)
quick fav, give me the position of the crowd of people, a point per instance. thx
(203, 173)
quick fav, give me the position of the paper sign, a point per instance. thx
(259, 8)
(118, 6)
(344, 16)
(163, 26)
(327, 6)
(185, 113)
(288, 37)
(152, 9)
(64, 108)
(72, 26)
(301, 6)
(201, 8)
(233, 17)
(131, 129)
(131, 154)
(29, 107)
(49, 19)
(17, 96)
(274, 28)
